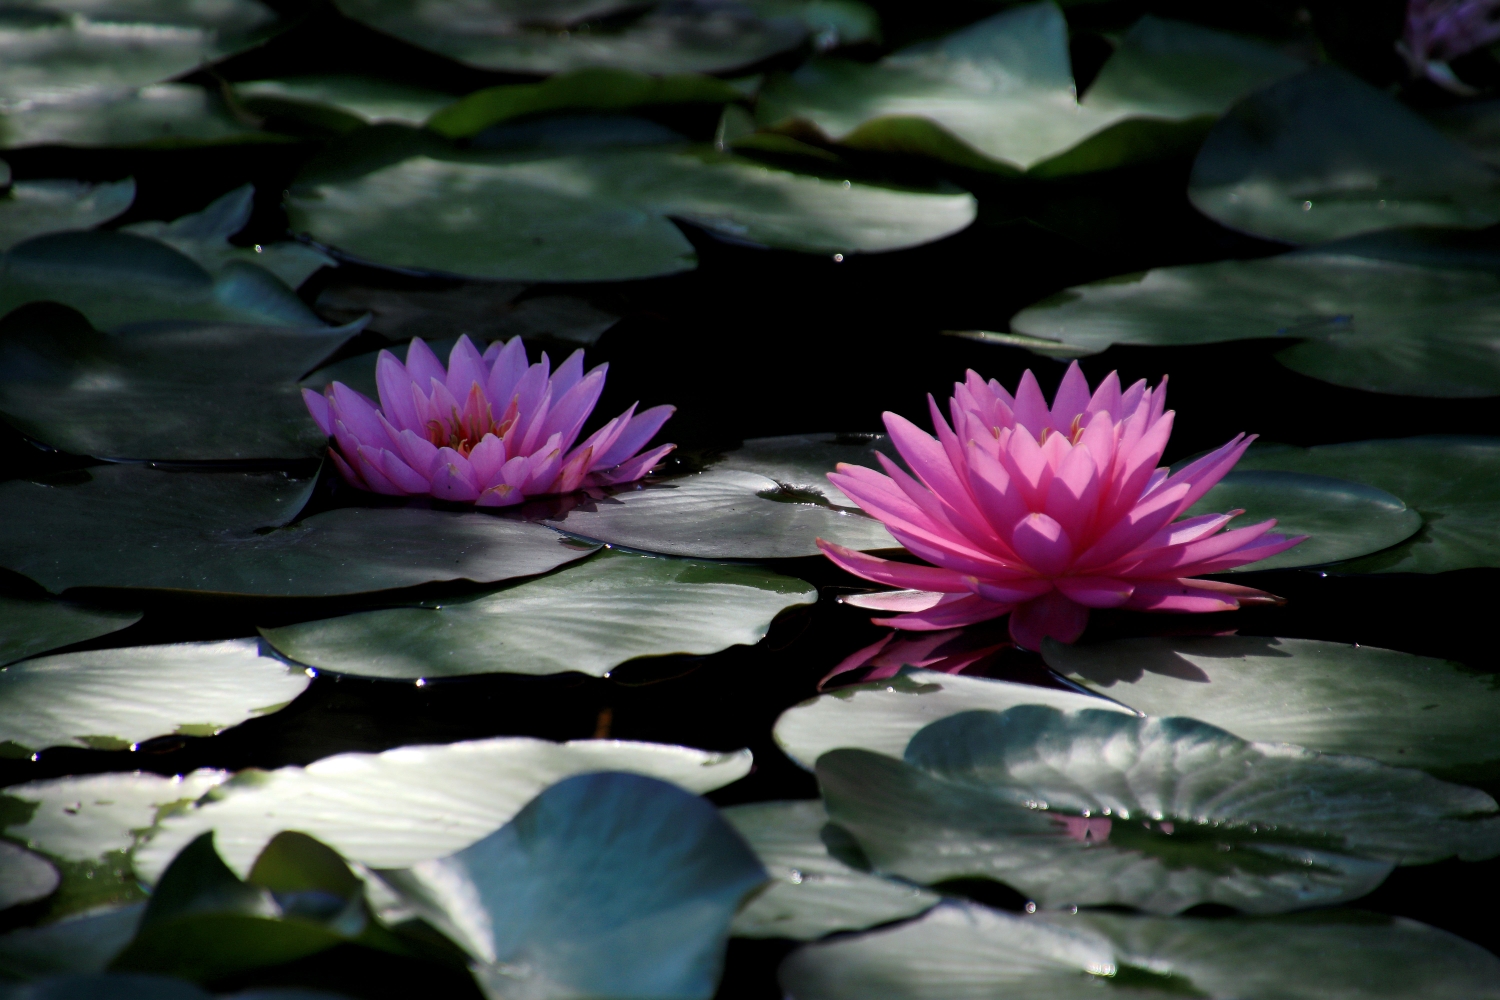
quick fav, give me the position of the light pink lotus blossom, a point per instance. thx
(489, 429)
(1439, 30)
(1044, 512)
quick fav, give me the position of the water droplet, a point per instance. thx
(1307, 206)
(310, 672)
(421, 682)
(796, 877)
(847, 185)
(838, 258)
(1030, 906)
(259, 248)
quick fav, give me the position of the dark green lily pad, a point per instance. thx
(604, 885)
(31, 208)
(78, 945)
(166, 391)
(222, 532)
(1453, 482)
(590, 617)
(24, 877)
(413, 804)
(812, 893)
(30, 628)
(161, 116)
(603, 215)
(362, 99)
(1323, 154)
(1399, 709)
(1098, 807)
(1343, 520)
(113, 699)
(714, 515)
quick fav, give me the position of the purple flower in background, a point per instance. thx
(1439, 30)
(489, 429)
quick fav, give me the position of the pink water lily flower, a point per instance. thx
(490, 429)
(1044, 512)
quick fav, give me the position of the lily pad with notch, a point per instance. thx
(32, 627)
(801, 462)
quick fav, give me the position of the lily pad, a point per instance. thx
(413, 804)
(24, 877)
(167, 391)
(29, 628)
(590, 617)
(1366, 323)
(801, 462)
(115, 698)
(1342, 519)
(606, 885)
(1323, 154)
(227, 532)
(963, 951)
(161, 116)
(696, 36)
(883, 716)
(999, 95)
(546, 215)
(716, 515)
(1399, 709)
(1095, 808)
(480, 310)
(32, 208)
(364, 99)
(79, 944)
(1452, 481)
(812, 893)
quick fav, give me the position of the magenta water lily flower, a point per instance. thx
(490, 429)
(1437, 31)
(1044, 513)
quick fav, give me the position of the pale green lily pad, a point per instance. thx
(883, 716)
(1453, 482)
(164, 391)
(412, 804)
(801, 462)
(691, 37)
(999, 95)
(1323, 155)
(963, 951)
(79, 944)
(1365, 323)
(227, 533)
(24, 877)
(715, 515)
(115, 698)
(367, 99)
(1399, 709)
(161, 116)
(812, 892)
(1343, 520)
(590, 617)
(32, 208)
(29, 628)
(1096, 808)
(604, 885)
(597, 216)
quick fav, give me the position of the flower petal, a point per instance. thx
(1051, 616)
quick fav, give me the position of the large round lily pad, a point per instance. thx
(30, 628)
(413, 804)
(1399, 709)
(813, 892)
(160, 116)
(1452, 481)
(1095, 807)
(1342, 519)
(227, 532)
(589, 617)
(31, 208)
(603, 215)
(112, 699)
(718, 515)
(1323, 154)
(167, 391)
(800, 463)
(24, 877)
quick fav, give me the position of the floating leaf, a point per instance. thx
(963, 951)
(549, 215)
(1096, 807)
(1400, 709)
(883, 716)
(1343, 519)
(590, 617)
(168, 391)
(80, 944)
(363, 99)
(716, 515)
(412, 804)
(127, 986)
(112, 699)
(1365, 323)
(694, 36)
(161, 116)
(24, 877)
(28, 628)
(813, 892)
(1452, 481)
(32, 208)
(801, 462)
(227, 532)
(1323, 154)
(607, 885)
(999, 94)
